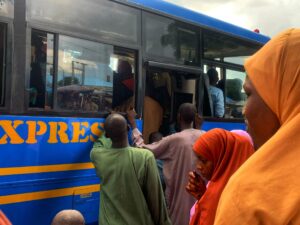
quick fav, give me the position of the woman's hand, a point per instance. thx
(196, 186)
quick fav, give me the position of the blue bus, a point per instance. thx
(65, 65)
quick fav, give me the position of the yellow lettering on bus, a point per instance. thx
(56, 132)
(32, 130)
(96, 131)
(79, 130)
(9, 128)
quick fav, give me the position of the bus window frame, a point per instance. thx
(4, 75)
(223, 66)
(7, 61)
(68, 113)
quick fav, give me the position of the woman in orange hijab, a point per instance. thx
(220, 153)
(266, 189)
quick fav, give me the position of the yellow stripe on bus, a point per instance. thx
(24, 197)
(45, 168)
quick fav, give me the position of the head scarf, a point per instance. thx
(227, 151)
(3, 219)
(244, 134)
(265, 190)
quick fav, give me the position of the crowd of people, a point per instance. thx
(214, 177)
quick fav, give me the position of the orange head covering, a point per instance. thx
(227, 151)
(3, 219)
(275, 70)
(265, 190)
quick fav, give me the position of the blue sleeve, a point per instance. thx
(219, 107)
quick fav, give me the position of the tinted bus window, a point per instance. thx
(218, 46)
(92, 78)
(110, 20)
(2, 63)
(166, 38)
(235, 95)
(41, 74)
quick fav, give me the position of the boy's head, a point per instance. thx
(186, 113)
(115, 127)
(155, 136)
(68, 217)
(213, 76)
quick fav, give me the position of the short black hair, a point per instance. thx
(115, 126)
(155, 136)
(187, 112)
(213, 76)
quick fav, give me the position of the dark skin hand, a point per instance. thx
(196, 186)
(131, 114)
(198, 121)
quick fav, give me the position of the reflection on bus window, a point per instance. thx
(116, 21)
(92, 78)
(229, 49)
(2, 63)
(41, 74)
(167, 38)
(235, 95)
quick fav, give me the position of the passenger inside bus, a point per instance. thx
(37, 73)
(216, 93)
(123, 87)
(157, 102)
(235, 98)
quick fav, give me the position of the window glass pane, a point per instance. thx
(41, 74)
(235, 95)
(109, 19)
(188, 46)
(218, 46)
(166, 38)
(7, 8)
(2, 63)
(92, 78)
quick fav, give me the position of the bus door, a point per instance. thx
(167, 87)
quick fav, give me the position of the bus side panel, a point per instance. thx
(43, 211)
(208, 125)
(45, 167)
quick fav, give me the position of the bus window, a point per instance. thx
(169, 39)
(2, 63)
(235, 95)
(41, 74)
(92, 78)
(188, 46)
(229, 49)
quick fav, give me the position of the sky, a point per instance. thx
(269, 16)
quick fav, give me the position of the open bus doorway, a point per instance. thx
(166, 89)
